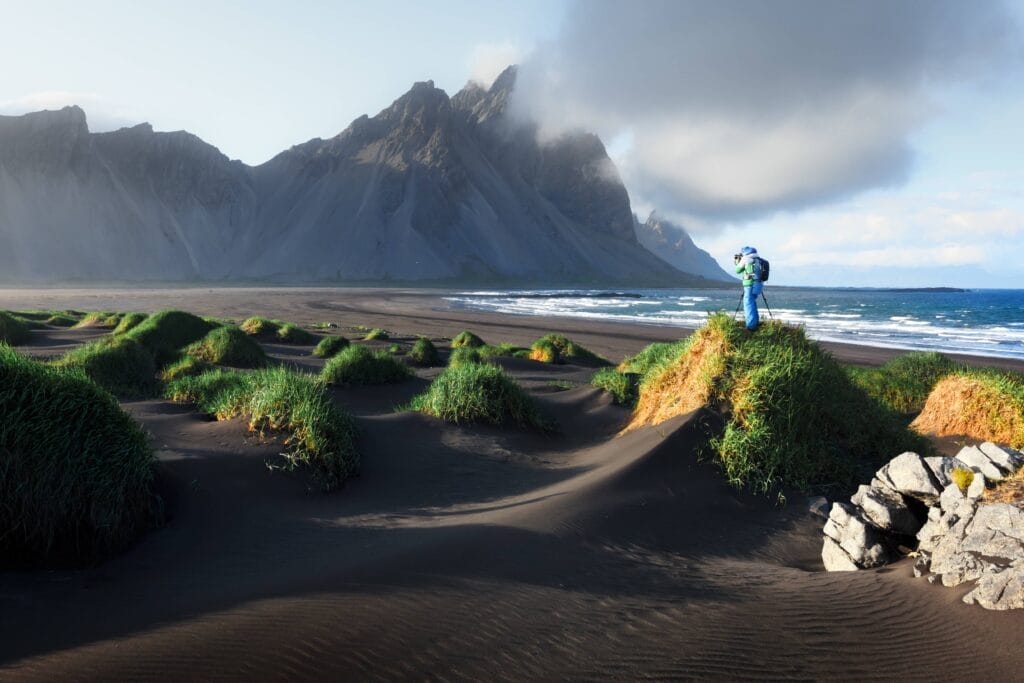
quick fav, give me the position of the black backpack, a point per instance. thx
(765, 268)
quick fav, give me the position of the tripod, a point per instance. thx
(763, 298)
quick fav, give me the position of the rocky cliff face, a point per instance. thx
(430, 189)
(672, 244)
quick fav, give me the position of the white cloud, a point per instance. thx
(488, 60)
(102, 114)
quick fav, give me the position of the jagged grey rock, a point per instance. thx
(818, 505)
(886, 509)
(976, 487)
(908, 474)
(835, 558)
(975, 458)
(432, 188)
(862, 542)
(1007, 459)
(999, 590)
(942, 467)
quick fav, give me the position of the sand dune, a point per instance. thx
(467, 552)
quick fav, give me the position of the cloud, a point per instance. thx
(738, 109)
(488, 60)
(102, 114)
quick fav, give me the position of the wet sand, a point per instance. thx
(469, 552)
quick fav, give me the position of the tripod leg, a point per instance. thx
(765, 299)
(738, 307)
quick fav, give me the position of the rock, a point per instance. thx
(818, 505)
(865, 545)
(908, 474)
(1000, 590)
(973, 457)
(977, 487)
(835, 558)
(922, 566)
(886, 509)
(941, 467)
(951, 499)
(1006, 459)
(996, 534)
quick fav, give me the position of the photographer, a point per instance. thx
(748, 263)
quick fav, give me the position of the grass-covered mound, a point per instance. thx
(317, 433)
(330, 346)
(424, 353)
(75, 470)
(60, 320)
(477, 393)
(12, 330)
(621, 385)
(554, 348)
(984, 404)
(467, 339)
(464, 355)
(793, 417)
(229, 346)
(129, 321)
(360, 365)
(167, 332)
(903, 384)
(377, 333)
(184, 367)
(120, 365)
(290, 333)
(655, 357)
(258, 326)
(503, 350)
(100, 319)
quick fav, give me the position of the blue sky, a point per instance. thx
(946, 207)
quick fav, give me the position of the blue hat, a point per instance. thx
(748, 250)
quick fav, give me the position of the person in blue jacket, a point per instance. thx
(748, 263)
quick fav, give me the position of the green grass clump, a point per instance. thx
(186, 367)
(228, 346)
(962, 477)
(318, 434)
(621, 385)
(377, 333)
(424, 353)
(261, 327)
(467, 339)
(903, 384)
(394, 348)
(793, 417)
(290, 333)
(654, 357)
(464, 355)
(12, 330)
(120, 365)
(61, 320)
(477, 393)
(99, 319)
(75, 470)
(360, 365)
(129, 321)
(167, 332)
(555, 348)
(488, 351)
(330, 346)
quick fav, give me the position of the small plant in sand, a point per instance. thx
(317, 433)
(477, 393)
(167, 332)
(555, 348)
(330, 346)
(260, 327)
(621, 385)
(228, 346)
(186, 367)
(100, 319)
(424, 353)
(903, 384)
(360, 365)
(377, 333)
(464, 355)
(75, 470)
(129, 321)
(61, 320)
(122, 366)
(962, 477)
(467, 339)
(290, 333)
(985, 404)
(12, 330)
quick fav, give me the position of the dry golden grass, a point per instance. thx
(973, 406)
(684, 386)
(1009, 490)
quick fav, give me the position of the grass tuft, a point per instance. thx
(984, 404)
(555, 348)
(467, 339)
(61, 320)
(423, 353)
(793, 417)
(186, 367)
(318, 434)
(962, 477)
(464, 355)
(488, 351)
(167, 332)
(260, 327)
(228, 346)
(655, 357)
(903, 384)
(377, 333)
(290, 333)
(129, 321)
(120, 365)
(12, 330)
(360, 365)
(330, 346)
(477, 393)
(621, 385)
(75, 470)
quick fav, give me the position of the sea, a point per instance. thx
(983, 322)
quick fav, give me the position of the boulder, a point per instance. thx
(908, 474)
(996, 534)
(942, 467)
(977, 487)
(1000, 590)
(887, 510)
(835, 558)
(864, 543)
(973, 457)
(1004, 458)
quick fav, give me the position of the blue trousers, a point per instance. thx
(750, 295)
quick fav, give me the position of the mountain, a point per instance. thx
(431, 189)
(673, 245)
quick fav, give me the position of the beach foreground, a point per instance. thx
(467, 552)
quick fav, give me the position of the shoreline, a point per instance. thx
(412, 311)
